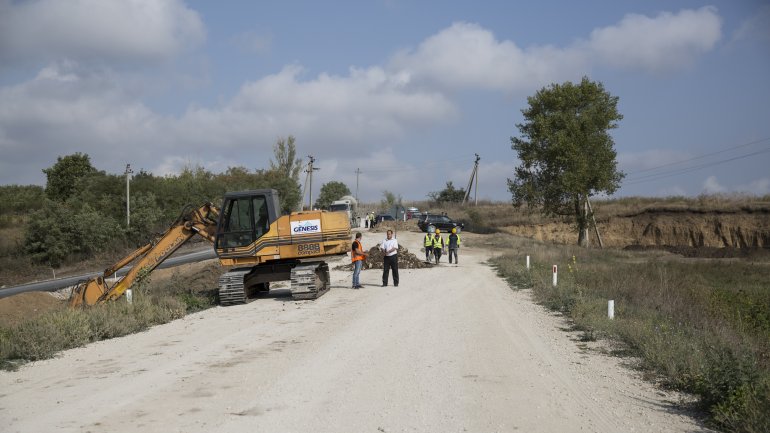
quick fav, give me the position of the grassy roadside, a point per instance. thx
(43, 336)
(703, 326)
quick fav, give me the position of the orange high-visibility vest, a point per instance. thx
(354, 257)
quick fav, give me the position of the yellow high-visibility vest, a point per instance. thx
(438, 242)
(428, 240)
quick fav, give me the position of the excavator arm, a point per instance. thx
(201, 221)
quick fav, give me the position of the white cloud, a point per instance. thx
(712, 186)
(100, 31)
(665, 42)
(468, 55)
(67, 109)
(337, 112)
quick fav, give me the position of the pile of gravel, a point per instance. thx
(406, 260)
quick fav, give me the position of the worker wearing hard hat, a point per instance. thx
(428, 243)
(438, 245)
(453, 244)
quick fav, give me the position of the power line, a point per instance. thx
(701, 156)
(422, 167)
(663, 175)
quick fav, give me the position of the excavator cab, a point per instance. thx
(246, 216)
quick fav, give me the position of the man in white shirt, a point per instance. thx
(390, 247)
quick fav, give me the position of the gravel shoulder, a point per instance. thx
(451, 349)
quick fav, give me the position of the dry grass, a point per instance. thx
(46, 334)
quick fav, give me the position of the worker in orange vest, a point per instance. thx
(357, 256)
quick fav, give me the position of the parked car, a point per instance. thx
(384, 217)
(441, 222)
(412, 212)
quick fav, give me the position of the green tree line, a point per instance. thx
(82, 210)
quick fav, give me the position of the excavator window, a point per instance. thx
(262, 221)
(245, 220)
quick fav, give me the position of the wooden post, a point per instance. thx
(598, 236)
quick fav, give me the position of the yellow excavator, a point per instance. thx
(251, 237)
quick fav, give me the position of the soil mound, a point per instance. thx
(396, 226)
(18, 308)
(406, 260)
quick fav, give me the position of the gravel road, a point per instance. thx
(452, 349)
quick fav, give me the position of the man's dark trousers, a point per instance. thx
(390, 262)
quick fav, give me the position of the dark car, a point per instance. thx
(441, 222)
(384, 217)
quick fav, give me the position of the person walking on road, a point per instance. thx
(453, 244)
(390, 247)
(357, 256)
(428, 243)
(438, 245)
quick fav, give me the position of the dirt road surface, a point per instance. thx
(452, 349)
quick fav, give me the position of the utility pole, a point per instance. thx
(473, 181)
(304, 191)
(476, 181)
(358, 171)
(310, 169)
(128, 195)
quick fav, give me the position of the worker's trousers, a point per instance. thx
(437, 253)
(357, 265)
(390, 262)
(453, 252)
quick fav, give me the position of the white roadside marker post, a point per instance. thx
(527, 262)
(129, 296)
(555, 277)
(611, 309)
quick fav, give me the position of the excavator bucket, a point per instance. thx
(88, 292)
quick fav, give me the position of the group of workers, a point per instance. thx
(435, 244)
(370, 220)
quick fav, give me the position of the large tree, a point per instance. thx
(63, 176)
(284, 173)
(331, 191)
(286, 161)
(567, 154)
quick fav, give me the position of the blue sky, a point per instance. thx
(407, 91)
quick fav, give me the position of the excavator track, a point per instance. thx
(231, 287)
(309, 280)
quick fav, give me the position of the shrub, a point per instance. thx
(43, 336)
(57, 231)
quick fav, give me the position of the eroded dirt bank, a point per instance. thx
(715, 229)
